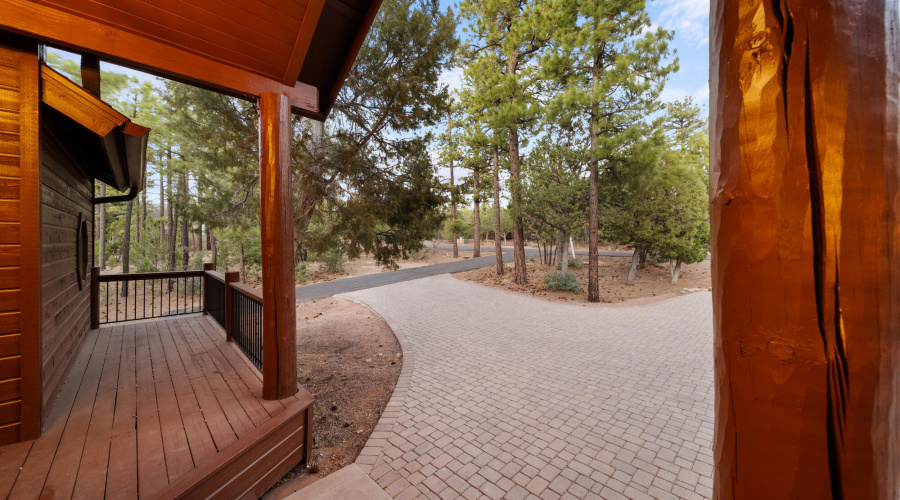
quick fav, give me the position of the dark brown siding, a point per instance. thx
(66, 194)
(19, 245)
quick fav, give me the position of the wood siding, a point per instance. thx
(66, 199)
(19, 245)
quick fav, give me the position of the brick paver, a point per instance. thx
(507, 396)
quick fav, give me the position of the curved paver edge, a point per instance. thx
(378, 439)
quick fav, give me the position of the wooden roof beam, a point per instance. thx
(301, 45)
(127, 49)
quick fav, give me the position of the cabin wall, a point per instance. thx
(19, 243)
(66, 199)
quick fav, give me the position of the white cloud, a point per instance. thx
(453, 78)
(689, 19)
(671, 94)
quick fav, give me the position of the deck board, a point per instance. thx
(151, 408)
(91, 479)
(200, 440)
(175, 443)
(151, 455)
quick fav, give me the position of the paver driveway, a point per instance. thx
(507, 396)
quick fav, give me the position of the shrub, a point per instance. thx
(420, 254)
(302, 271)
(567, 281)
(531, 258)
(576, 263)
(334, 260)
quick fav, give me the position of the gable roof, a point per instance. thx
(113, 147)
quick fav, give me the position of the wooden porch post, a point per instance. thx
(207, 266)
(95, 298)
(805, 195)
(279, 315)
(230, 277)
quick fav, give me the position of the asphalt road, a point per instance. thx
(329, 288)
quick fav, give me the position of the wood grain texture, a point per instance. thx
(303, 39)
(127, 423)
(805, 196)
(132, 50)
(66, 198)
(19, 256)
(279, 297)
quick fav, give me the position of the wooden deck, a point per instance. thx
(159, 409)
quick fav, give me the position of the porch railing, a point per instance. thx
(234, 306)
(247, 320)
(129, 297)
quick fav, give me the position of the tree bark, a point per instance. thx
(171, 226)
(162, 205)
(632, 271)
(476, 214)
(126, 244)
(498, 247)
(208, 238)
(804, 190)
(593, 285)
(521, 273)
(676, 270)
(452, 186)
(144, 196)
(101, 230)
(185, 242)
(563, 248)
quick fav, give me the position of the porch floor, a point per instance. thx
(159, 408)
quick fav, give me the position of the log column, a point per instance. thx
(806, 250)
(279, 315)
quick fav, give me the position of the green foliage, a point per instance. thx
(334, 260)
(574, 263)
(302, 271)
(562, 281)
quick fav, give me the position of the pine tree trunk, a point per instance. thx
(126, 246)
(476, 216)
(243, 266)
(215, 251)
(676, 271)
(563, 248)
(185, 248)
(498, 247)
(137, 222)
(208, 238)
(102, 229)
(521, 274)
(593, 288)
(144, 197)
(452, 189)
(632, 271)
(171, 225)
(162, 203)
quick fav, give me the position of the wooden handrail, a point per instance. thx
(104, 278)
(217, 275)
(249, 291)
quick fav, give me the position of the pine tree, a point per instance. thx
(613, 67)
(506, 42)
